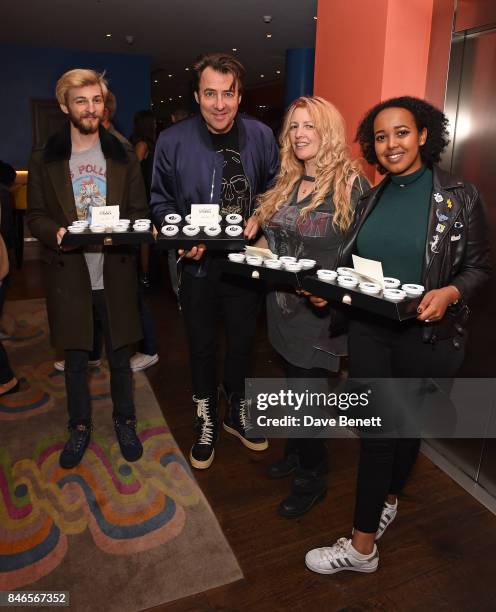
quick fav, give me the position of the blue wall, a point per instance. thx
(28, 72)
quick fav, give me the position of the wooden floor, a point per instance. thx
(438, 555)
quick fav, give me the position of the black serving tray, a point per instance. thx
(330, 290)
(108, 238)
(222, 242)
(279, 277)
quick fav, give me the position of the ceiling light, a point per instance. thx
(162, 101)
(179, 97)
(315, 17)
(262, 75)
(108, 35)
(186, 68)
(169, 75)
(155, 81)
(235, 49)
(278, 72)
(269, 35)
(170, 99)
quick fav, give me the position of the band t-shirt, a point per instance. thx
(235, 189)
(89, 184)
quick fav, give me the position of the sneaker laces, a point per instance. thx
(244, 419)
(206, 423)
(76, 438)
(336, 551)
(127, 431)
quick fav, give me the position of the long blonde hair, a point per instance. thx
(335, 169)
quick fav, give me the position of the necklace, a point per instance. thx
(306, 189)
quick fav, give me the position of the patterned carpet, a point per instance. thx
(117, 536)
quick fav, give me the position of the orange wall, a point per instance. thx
(370, 50)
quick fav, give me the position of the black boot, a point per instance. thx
(309, 487)
(75, 446)
(285, 466)
(202, 451)
(237, 421)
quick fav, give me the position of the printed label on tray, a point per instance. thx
(204, 214)
(104, 215)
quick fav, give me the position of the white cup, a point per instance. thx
(169, 230)
(307, 264)
(274, 264)
(327, 275)
(76, 229)
(236, 257)
(173, 218)
(254, 260)
(191, 230)
(213, 230)
(371, 288)
(97, 229)
(234, 219)
(346, 271)
(286, 258)
(391, 283)
(292, 266)
(413, 290)
(394, 295)
(346, 280)
(234, 230)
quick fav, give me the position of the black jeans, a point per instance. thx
(234, 300)
(383, 349)
(312, 452)
(6, 373)
(76, 381)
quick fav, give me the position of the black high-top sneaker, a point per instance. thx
(130, 445)
(73, 451)
(202, 452)
(237, 421)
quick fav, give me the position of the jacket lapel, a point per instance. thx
(444, 211)
(59, 174)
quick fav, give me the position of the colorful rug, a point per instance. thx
(116, 535)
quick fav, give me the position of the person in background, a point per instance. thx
(305, 215)
(108, 115)
(226, 158)
(7, 180)
(80, 167)
(427, 227)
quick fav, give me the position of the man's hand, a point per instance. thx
(61, 232)
(195, 253)
(251, 228)
(435, 302)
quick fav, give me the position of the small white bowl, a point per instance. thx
(346, 280)
(120, 228)
(234, 230)
(169, 230)
(346, 271)
(413, 290)
(391, 283)
(394, 295)
(327, 275)
(187, 218)
(307, 264)
(236, 257)
(274, 264)
(127, 221)
(97, 229)
(82, 223)
(285, 258)
(137, 227)
(371, 288)
(293, 266)
(234, 219)
(213, 230)
(173, 218)
(76, 229)
(142, 221)
(254, 260)
(191, 230)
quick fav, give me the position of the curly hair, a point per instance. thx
(335, 169)
(425, 115)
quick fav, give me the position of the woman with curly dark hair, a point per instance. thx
(426, 227)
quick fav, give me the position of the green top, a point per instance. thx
(395, 231)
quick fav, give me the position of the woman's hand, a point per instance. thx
(435, 302)
(316, 301)
(195, 252)
(251, 228)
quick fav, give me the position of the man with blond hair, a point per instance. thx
(80, 168)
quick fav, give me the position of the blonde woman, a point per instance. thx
(305, 215)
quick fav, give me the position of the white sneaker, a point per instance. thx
(387, 517)
(341, 556)
(141, 361)
(92, 363)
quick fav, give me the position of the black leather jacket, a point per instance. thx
(456, 250)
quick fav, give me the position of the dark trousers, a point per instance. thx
(204, 301)
(76, 381)
(311, 451)
(148, 345)
(382, 349)
(6, 373)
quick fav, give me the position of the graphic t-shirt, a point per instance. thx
(235, 190)
(89, 184)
